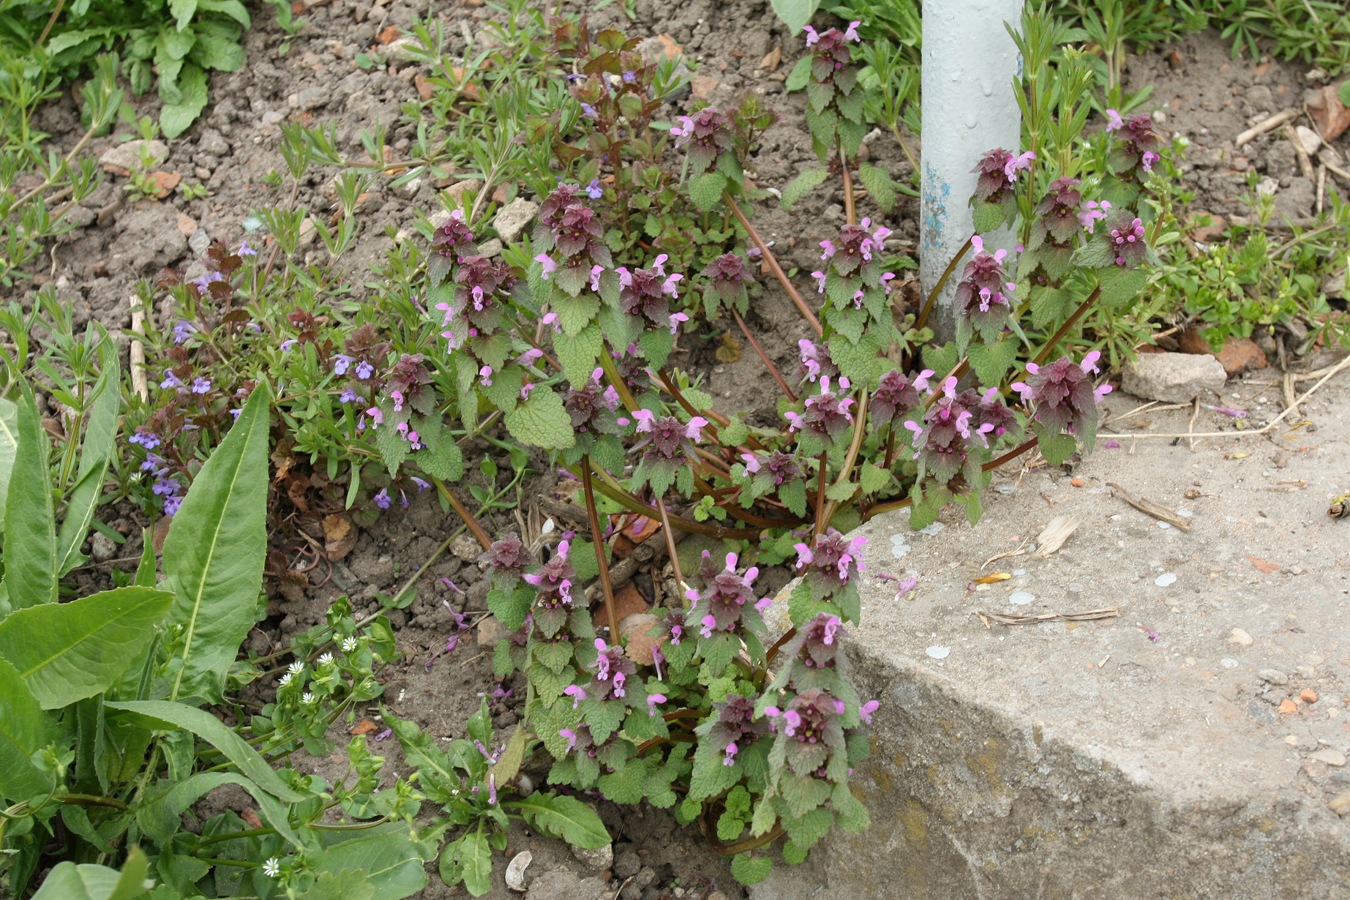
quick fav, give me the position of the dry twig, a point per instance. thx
(1148, 507)
(989, 618)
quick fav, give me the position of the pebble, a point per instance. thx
(128, 156)
(937, 652)
(1166, 579)
(899, 546)
(933, 529)
(1287, 706)
(465, 548)
(514, 218)
(199, 241)
(1021, 598)
(1228, 663)
(601, 858)
(1329, 756)
(1340, 805)
(1273, 676)
(101, 547)
(1240, 637)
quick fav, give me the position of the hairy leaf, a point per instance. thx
(564, 817)
(30, 563)
(802, 185)
(541, 421)
(24, 729)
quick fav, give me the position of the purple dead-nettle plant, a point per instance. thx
(614, 677)
(733, 730)
(643, 292)
(553, 584)
(772, 473)
(704, 136)
(571, 236)
(995, 197)
(669, 451)
(815, 361)
(984, 296)
(826, 420)
(896, 396)
(953, 438)
(1136, 146)
(451, 241)
(835, 117)
(1056, 231)
(726, 605)
(1064, 396)
(728, 279)
(828, 567)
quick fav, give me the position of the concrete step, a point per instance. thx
(1170, 751)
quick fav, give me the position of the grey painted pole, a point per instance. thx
(969, 62)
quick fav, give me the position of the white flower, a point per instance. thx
(272, 867)
(296, 668)
(348, 644)
(307, 698)
(326, 659)
(285, 679)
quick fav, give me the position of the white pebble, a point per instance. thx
(938, 652)
(1165, 579)
(1021, 598)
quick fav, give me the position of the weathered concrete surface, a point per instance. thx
(1081, 759)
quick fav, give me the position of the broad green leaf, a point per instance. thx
(214, 556)
(232, 8)
(795, 14)
(66, 652)
(802, 185)
(879, 184)
(388, 859)
(991, 361)
(508, 764)
(564, 817)
(95, 454)
(706, 189)
(1120, 284)
(175, 118)
(475, 856)
(9, 444)
(30, 563)
(170, 716)
(24, 729)
(182, 12)
(800, 74)
(749, 869)
(162, 816)
(69, 881)
(541, 421)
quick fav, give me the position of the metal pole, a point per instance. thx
(969, 62)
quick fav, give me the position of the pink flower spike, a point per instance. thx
(751, 463)
(671, 284)
(485, 373)
(1112, 445)
(376, 415)
(645, 417)
(654, 700)
(820, 281)
(867, 709)
(547, 262)
(921, 383)
(708, 623)
(1105, 389)
(1089, 363)
(658, 265)
(804, 555)
(675, 321)
(596, 272)
(730, 754)
(763, 604)
(732, 559)
(1149, 159)
(1022, 388)
(1017, 164)
(1113, 120)
(772, 712)
(829, 249)
(811, 36)
(852, 33)
(977, 244)
(577, 694)
(694, 430)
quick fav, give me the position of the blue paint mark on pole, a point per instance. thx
(935, 196)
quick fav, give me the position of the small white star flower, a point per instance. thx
(285, 679)
(296, 667)
(307, 698)
(326, 659)
(272, 867)
(348, 644)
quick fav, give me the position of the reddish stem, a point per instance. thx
(764, 357)
(774, 266)
(606, 587)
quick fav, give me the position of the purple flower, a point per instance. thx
(832, 556)
(348, 396)
(364, 370)
(421, 483)
(654, 700)
(1092, 211)
(629, 77)
(245, 249)
(667, 436)
(553, 580)
(171, 505)
(896, 396)
(1064, 396)
(201, 385)
(182, 331)
(165, 487)
(730, 754)
(576, 692)
(146, 438)
(288, 344)
(1113, 120)
(171, 381)
(867, 709)
(1127, 241)
(384, 735)
(342, 364)
(826, 415)
(589, 111)
(1016, 164)
(382, 499)
(594, 190)
(1148, 159)
(549, 266)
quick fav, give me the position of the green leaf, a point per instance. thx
(387, 859)
(66, 652)
(991, 361)
(9, 444)
(800, 74)
(95, 453)
(69, 881)
(30, 563)
(182, 12)
(873, 478)
(578, 354)
(541, 421)
(1056, 448)
(564, 817)
(221, 55)
(706, 189)
(810, 828)
(940, 359)
(176, 117)
(474, 857)
(168, 715)
(162, 816)
(749, 869)
(987, 217)
(441, 457)
(232, 8)
(24, 729)
(802, 185)
(795, 14)
(879, 185)
(1120, 284)
(214, 556)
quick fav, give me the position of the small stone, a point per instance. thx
(638, 644)
(490, 248)
(101, 547)
(199, 241)
(313, 97)
(490, 632)
(1273, 676)
(1020, 598)
(515, 871)
(1340, 805)
(1329, 756)
(1267, 186)
(456, 191)
(938, 652)
(1173, 377)
(1308, 695)
(513, 218)
(772, 60)
(466, 548)
(1240, 637)
(272, 117)
(703, 86)
(1287, 706)
(1331, 116)
(186, 226)
(1308, 139)
(601, 858)
(125, 157)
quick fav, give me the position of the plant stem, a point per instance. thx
(606, 586)
(764, 358)
(942, 282)
(859, 425)
(614, 491)
(469, 521)
(92, 800)
(1068, 323)
(850, 210)
(820, 494)
(1010, 455)
(774, 266)
(670, 544)
(612, 373)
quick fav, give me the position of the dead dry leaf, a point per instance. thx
(1265, 567)
(339, 535)
(365, 726)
